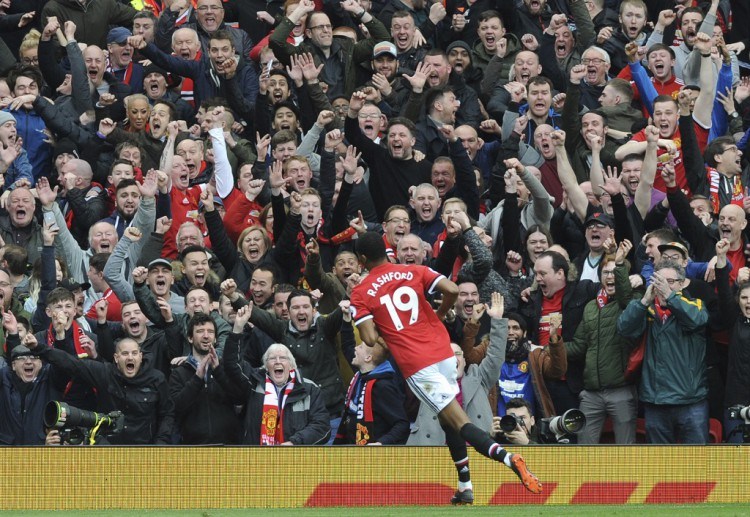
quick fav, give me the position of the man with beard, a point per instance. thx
(537, 109)
(580, 129)
(223, 74)
(442, 105)
(127, 201)
(332, 284)
(121, 387)
(102, 235)
(392, 169)
(121, 63)
(468, 110)
(558, 297)
(159, 311)
(313, 337)
(19, 225)
(200, 389)
(394, 89)
(461, 62)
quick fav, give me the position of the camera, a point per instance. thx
(509, 422)
(78, 425)
(740, 413)
(557, 429)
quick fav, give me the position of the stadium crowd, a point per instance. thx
(184, 184)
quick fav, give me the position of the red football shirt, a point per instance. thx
(393, 296)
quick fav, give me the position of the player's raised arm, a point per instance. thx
(449, 290)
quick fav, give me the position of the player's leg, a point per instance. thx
(457, 447)
(454, 416)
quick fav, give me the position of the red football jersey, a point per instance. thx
(393, 296)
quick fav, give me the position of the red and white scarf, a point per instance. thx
(272, 423)
(78, 332)
(734, 192)
(601, 298)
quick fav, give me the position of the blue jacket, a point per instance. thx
(30, 126)
(20, 168)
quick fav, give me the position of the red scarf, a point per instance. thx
(602, 299)
(358, 402)
(80, 352)
(272, 423)
(77, 333)
(663, 313)
(337, 239)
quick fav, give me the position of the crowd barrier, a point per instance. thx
(67, 478)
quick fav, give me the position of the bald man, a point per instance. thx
(732, 226)
(82, 202)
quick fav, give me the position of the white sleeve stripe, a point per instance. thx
(434, 284)
(363, 319)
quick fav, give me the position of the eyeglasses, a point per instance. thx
(732, 148)
(672, 281)
(30, 60)
(25, 358)
(671, 257)
(592, 61)
(368, 116)
(325, 27)
(206, 8)
(398, 220)
(608, 272)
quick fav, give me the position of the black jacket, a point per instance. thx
(144, 399)
(738, 379)
(204, 408)
(21, 420)
(305, 418)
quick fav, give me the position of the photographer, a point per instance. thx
(735, 313)
(525, 432)
(129, 385)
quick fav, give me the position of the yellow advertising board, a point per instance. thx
(63, 478)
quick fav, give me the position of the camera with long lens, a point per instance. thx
(557, 429)
(78, 425)
(509, 422)
(740, 413)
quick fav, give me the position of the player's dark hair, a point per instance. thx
(371, 245)
(199, 318)
(299, 292)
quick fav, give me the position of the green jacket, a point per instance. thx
(605, 352)
(674, 362)
(353, 53)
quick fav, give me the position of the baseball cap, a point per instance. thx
(217, 201)
(118, 35)
(599, 218)
(678, 246)
(159, 262)
(22, 351)
(71, 285)
(384, 47)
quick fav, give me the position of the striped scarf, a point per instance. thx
(272, 423)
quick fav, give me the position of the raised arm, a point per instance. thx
(648, 173)
(576, 196)
(704, 104)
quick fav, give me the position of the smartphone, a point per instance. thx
(49, 219)
(269, 66)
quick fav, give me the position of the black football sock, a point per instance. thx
(484, 444)
(457, 447)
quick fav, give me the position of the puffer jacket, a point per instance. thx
(674, 362)
(305, 418)
(596, 339)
